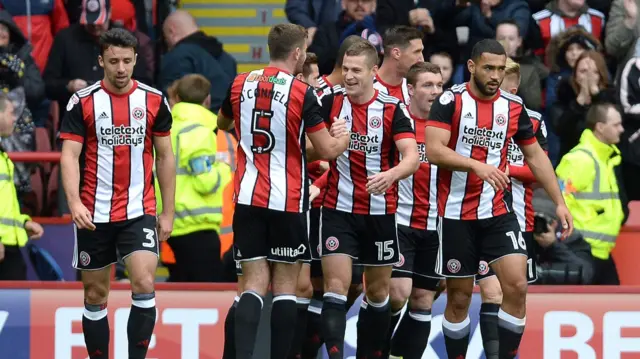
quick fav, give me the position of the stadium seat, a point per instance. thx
(54, 116)
(33, 201)
(634, 214)
(52, 192)
(43, 144)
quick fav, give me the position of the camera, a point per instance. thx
(540, 223)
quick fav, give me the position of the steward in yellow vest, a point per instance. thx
(590, 187)
(200, 183)
(15, 228)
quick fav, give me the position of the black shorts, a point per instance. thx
(264, 233)
(463, 243)
(100, 248)
(418, 254)
(484, 271)
(372, 239)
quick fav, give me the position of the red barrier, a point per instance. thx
(34, 156)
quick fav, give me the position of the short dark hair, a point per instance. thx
(365, 49)
(193, 88)
(490, 46)
(400, 36)
(346, 44)
(284, 38)
(312, 59)
(420, 68)
(119, 38)
(597, 112)
(509, 22)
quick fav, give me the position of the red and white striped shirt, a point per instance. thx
(551, 24)
(481, 130)
(417, 201)
(116, 163)
(522, 179)
(272, 111)
(374, 127)
(401, 92)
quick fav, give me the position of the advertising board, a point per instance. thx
(567, 323)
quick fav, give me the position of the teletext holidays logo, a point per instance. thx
(515, 153)
(364, 143)
(482, 137)
(121, 136)
(422, 153)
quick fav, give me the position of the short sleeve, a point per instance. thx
(442, 109)
(541, 135)
(312, 110)
(163, 120)
(525, 135)
(401, 125)
(226, 110)
(73, 127)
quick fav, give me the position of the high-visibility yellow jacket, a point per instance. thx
(199, 188)
(590, 189)
(12, 232)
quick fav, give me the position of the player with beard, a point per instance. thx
(522, 181)
(469, 129)
(118, 123)
(414, 278)
(272, 113)
(402, 49)
(358, 212)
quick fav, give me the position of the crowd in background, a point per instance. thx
(570, 52)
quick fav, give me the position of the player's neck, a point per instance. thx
(415, 111)
(389, 74)
(282, 65)
(477, 93)
(114, 90)
(365, 97)
(335, 77)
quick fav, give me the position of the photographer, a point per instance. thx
(559, 261)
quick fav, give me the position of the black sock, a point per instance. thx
(247, 320)
(334, 323)
(489, 329)
(142, 320)
(229, 332)
(95, 327)
(510, 329)
(313, 340)
(376, 318)
(302, 305)
(283, 324)
(395, 318)
(456, 338)
(412, 336)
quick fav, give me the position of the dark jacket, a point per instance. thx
(565, 262)
(567, 116)
(31, 81)
(74, 55)
(311, 13)
(201, 54)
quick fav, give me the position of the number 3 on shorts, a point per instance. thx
(517, 241)
(150, 241)
(385, 252)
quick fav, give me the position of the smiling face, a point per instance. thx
(358, 73)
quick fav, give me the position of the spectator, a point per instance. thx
(558, 262)
(568, 114)
(15, 228)
(439, 31)
(623, 29)
(630, 142)
(560, 15)
(313, 13)
(73, 62)
(445, 63)
(591, 189)
(356, 19)
(193, 52)
(17, 66)
(531, 70)
(39, 21)
(199, 186)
